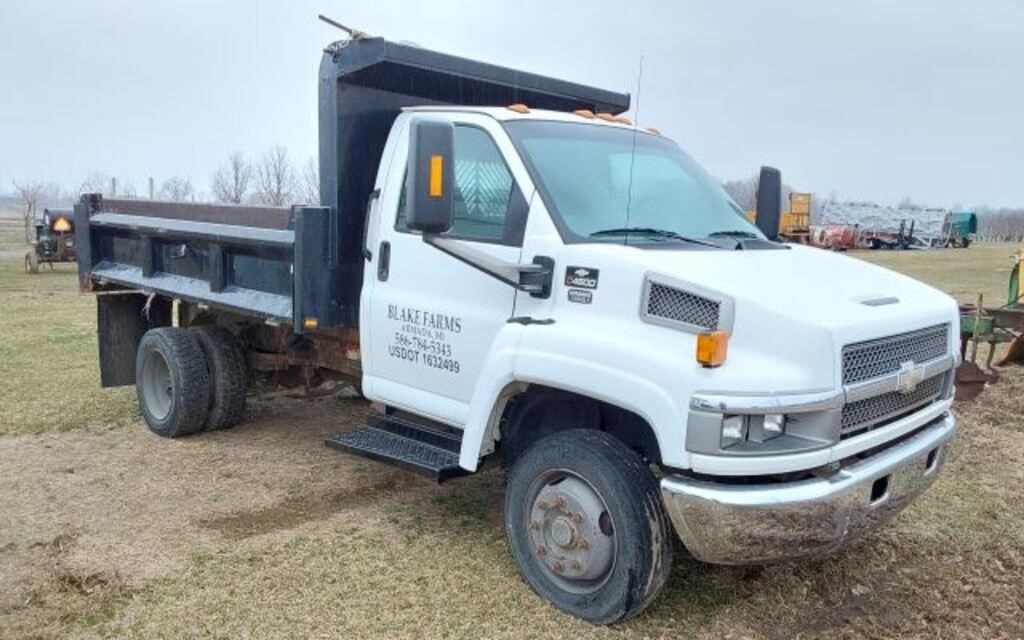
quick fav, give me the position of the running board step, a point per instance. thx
(405, 444)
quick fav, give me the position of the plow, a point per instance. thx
(992, 326)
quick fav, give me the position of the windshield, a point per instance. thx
(599, 190)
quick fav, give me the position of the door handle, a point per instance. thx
(384, 261)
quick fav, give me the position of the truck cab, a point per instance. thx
(517, 273)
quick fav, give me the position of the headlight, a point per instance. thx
(734, 430)
(774, 425)
(756, 428)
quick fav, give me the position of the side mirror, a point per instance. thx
(769, 202)
(429, 182)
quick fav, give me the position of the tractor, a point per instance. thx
(55, 240)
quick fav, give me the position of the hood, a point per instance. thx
(851, 297)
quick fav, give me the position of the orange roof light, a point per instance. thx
(712, 347)
(518, 108)
(622, 120)
(584, 113)
(656, 132)
(607, 117)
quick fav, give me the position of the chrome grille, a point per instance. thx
(681, 306)
(865, 413)
(874, 358)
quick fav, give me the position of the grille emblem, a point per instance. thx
(910, 375)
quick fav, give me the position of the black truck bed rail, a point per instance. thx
(259, 262)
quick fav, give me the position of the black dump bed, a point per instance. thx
(304, 263)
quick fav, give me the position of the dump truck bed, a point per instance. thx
(261, 262)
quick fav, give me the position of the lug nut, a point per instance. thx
(542, 505)
(583, 544)
(559, 566)
(577, 517)
(542, 550)
(560, 502)
(534, 525)
(576, 565)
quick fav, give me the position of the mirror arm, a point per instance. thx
(534, 279)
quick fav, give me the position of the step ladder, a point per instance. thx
(406, 444)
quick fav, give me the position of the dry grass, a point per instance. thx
(261, 532)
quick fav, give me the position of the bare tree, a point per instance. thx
(232, 179)
(96, 182)
(744, 192)
(311, 182)
(30, 193)
(276, 181)
(177, 189)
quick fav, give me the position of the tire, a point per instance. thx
(546, 506)
(172, 382)
(228, 377)
(31, 262)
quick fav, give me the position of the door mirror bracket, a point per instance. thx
(534, 278)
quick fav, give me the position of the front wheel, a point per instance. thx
(583, 516)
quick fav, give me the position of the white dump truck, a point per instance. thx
(509, 269)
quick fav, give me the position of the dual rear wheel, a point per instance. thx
(188, 380)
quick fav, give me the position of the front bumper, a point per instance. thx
(725, 523)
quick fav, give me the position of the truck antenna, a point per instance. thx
(632, 155)
(355, 34)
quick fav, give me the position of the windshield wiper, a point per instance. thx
(664, 234)
(732, 233)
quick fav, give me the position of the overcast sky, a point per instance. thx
(874, 99)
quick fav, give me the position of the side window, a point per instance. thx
(483, 188)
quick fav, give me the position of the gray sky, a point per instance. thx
(875, 99)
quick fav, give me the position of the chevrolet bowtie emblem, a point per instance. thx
(910, 375)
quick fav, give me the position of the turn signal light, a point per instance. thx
(712, 347)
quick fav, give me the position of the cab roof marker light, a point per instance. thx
(654, 130)
(622, 120)
(518, 108)
(584, 113)
(607, 117)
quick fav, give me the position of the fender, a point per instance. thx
(601, 382)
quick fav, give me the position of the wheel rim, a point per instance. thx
(157, 385)
(571, 532)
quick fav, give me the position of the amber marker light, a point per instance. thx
(712, 347)
(436, 175)
(518, 108)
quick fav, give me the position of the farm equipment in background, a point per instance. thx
(959, 228)
(993, 326)
(794, 223)
(55, 240)
(902, 239)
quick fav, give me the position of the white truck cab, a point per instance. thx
(574, 296)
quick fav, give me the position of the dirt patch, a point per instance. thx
(291, 512)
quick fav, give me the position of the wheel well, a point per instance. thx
(540, 411)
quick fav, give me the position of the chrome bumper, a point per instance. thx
(751, 524)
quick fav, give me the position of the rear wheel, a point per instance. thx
(172, 382)
(31, 262)
(228, 378)
(584, 519)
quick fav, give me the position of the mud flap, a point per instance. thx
(121, 321)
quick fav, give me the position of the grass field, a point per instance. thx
(261, 532)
